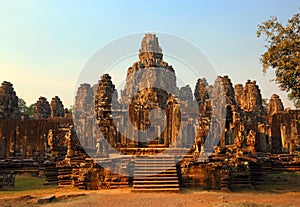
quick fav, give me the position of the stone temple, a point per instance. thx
(152, 135)
(150, 92)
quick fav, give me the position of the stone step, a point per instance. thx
(155, 170)
(155, 174)
(162, 185)
(156, 190)
(115, 185)
(147, 167)
(158, 178)
(158, 169)
(145, 182)
(142, 187)
(118, 186)
(155, 158)
(171, 162)
(152, 176)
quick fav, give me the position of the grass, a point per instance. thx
(26, 183)
(281, 182)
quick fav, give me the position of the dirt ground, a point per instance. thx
(124, 197)
(282, 190)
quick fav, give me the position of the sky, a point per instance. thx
(45, 45)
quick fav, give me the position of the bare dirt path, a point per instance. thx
(123, 197)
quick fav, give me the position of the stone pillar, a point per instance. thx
(223, 132)
(24, 147)
(5, 146)
(14, 143)
(69, 140)
(262, 137)
(294, 136)
(284, 141)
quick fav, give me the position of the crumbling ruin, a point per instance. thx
(226, 138)
(8, 102)
(42, 109)
(57, 108)
(84, 116)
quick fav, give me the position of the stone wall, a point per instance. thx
(26, 139)
(284, 131)
(201, 176)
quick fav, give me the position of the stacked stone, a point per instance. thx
(275, 105)
(202, 97)
(222, 95)
(151, 84)
(201, 92)
(251, 99)
(150, 72)
(228, 90)
(84, 101)
(51, 173)
(150, 52)
(186, 96)
(104, 95)
(57, 108)
(8, 102)
(84, 114)
(238, 91)
(7, 178)
(41, 109)
(103, 105)
(222, 101)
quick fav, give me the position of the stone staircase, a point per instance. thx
(155, 174)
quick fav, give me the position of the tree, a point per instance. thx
(70, 109)
(25, 109)
(29, 110)
(265, 102)
(283, 53)
(294, 100)
(22, 105)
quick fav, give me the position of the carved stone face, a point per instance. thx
(145, 110)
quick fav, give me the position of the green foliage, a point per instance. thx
(70, 109)
(22, 105)
(29, 110)
(265, 102)
(25, 109)
(283, 52)
(296, 101)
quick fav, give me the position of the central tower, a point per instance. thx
(148, 96)
(150, 53)
(148, 112)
